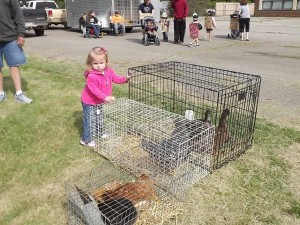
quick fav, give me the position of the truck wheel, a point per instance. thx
(39, 32)
(66, 25)
(128, 29)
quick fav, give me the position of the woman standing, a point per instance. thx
(145, 9)
(244, 21)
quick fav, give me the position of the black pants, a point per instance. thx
(179, 30)
(244, 23)
(165, 36)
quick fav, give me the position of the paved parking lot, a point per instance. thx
(273, 52)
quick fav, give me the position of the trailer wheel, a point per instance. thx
(39, 32)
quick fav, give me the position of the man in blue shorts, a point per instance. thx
(12, 32)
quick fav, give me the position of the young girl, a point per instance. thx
(165, 23)
(98, 89)
(194, 28)
(210, 23)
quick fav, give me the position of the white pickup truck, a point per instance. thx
(54, 14)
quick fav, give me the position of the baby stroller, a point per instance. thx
(234, 25)
(150, 30)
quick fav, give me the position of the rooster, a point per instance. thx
(222, 132)
(171, 152)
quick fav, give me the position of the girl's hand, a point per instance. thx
(128, 77)
(109, 98)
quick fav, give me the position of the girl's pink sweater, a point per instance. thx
(99, 85)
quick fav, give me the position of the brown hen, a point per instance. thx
(136, 191)
(222, 132)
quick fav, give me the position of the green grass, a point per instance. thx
(39, 151)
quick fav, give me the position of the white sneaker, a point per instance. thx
(91, 144)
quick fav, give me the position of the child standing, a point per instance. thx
(194, 28)
(98, 89)
(210, 23)
(165, 23)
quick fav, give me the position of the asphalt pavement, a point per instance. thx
(273, 52)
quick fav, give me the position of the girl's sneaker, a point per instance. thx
(91, 144)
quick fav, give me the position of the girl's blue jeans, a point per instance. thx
(86, 135)
(92, 122)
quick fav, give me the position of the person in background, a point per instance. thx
(181, 11)
(165, 23)
(98, 90)
(244, 22)
(12, 33)
(118, 23)
(194, 29)
(93, 23)
(209, 23)
(145, 9)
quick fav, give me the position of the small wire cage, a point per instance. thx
(231, 97)
(174, 151)
(108, 195)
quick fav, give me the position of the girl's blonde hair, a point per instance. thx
(96, 51)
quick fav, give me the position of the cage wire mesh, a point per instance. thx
(174, 151)
(108, 195)
(230, 97)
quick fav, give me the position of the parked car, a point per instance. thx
(55, 15)
(35, 19)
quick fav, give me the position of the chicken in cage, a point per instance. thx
(110, 198)
(170, 153)
(178, 86)
(161, 144)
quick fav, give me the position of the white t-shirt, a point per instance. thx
(244, 11)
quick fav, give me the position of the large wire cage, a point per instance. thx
(174, 151)
(229, 97)
(108, 195)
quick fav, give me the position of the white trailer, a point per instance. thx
(104, 9)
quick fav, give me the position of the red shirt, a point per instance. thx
(181, 9)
